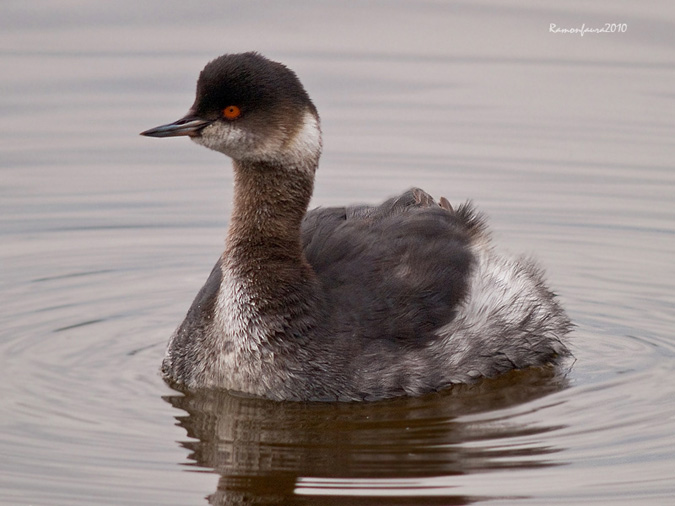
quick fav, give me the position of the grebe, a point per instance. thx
(345, 303)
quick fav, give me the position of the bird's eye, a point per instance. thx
(231, 112)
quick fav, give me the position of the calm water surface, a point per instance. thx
(566, 142)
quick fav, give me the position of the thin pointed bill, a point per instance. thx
(189, 125)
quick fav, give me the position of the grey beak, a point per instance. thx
(189, 125)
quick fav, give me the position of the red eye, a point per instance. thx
(231, 112)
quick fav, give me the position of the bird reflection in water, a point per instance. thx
(263, 449)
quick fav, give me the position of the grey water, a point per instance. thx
(565, 139)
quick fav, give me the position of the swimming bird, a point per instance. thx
(342, 303)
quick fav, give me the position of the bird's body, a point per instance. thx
(352, 303)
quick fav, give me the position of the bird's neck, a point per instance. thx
(268, 287)
(270, 201)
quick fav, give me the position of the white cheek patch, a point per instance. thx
(306, 143)
(226, 138)
(300, 149)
